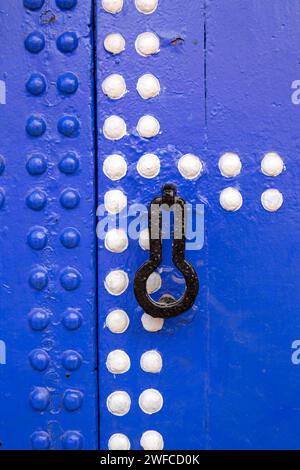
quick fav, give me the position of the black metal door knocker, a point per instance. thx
(167, 307)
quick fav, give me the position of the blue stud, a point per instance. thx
(36, 165)
(66, 4)
(36, 200)
(72, 440)
(35, 126)
(69, 164)
(37, 238)
(70, 279)
(2, 197)
(39, 398)
(39, 319)
(39, 359)
(67, 83)
(40, 440)
(71, 360)
(69, 198)
(72, 400)
(68, 126)
(70, 238)
(2, 164)
(72, 320)
(36, 84)
(67, 42)
(38, 279)
(35, 42)
(33, 4)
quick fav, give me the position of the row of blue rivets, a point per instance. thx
(66, 42)
(37, 238)
(39, 319)
(67, 84)
(37, 164)
(37, 4)
(68, 126)
(37, 199)
(71, 440)
(40, 399)
(70, 278)
(39, 359)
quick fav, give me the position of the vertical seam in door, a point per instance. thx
(95, 139)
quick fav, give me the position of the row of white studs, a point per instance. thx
(150, 440)
(190, 166)
(115, 127)
(143, 6)
(230, 200)
(146, 44)
(119, 402)
(114, 86)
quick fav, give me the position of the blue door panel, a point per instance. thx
(47, 289)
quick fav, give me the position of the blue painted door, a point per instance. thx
(101, 104)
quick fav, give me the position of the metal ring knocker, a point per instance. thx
(167, 307)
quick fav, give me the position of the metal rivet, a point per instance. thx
(147, 44)
(230, 165)
(69, 198)
(72, 319)
(36, 165)
(38, 279)
(39, 398)
(36, 84)
(118, 362)
(115, 201)
(190, 166)
(115, 167)
(35, 126)
(70, 237)
(71, 360)
(148, 127)
(272, 200)
(72, 400)
(40, 440)
(231, 199)
(36, 200)
(151, 362)
(33, 4)
(112, 6)
(118, 403)
(117, 321)
(66, 4)
(35, 42)
(68, 126)
(37, 238)
(148, 86)
(152, 324)
(116, 240)
(67, 42)
(151, 401)
(116, 282)
(67, 83)
(39, 359)
(152, 440)
(119, 442)
(114, 128)
(146, 6)
(69, 163)
(148, 166)
(114, 43)
(70, 279)
(114, 86)
(39, 319)
(72, 440)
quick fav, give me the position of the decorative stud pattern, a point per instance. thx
(119, 442)
(118, 362)
(152, 440)
(117, 321)
(118, 403)
(147, 44)
(114, 43)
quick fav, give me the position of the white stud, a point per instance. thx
(153, 283)
(119, 442)
(230, 165)
(144, 239)
(115, 167)
(114, 128)
(115, 201)
(272, 164)
(116, 282)
(146, 6)
(148, 126)
(151, 362)
(117, 321)
(148, 86)
(147, 44)
(114, 43)
(152, 440)
(112, 6)
(190, 166)
(151, 401)
(114, 86)
(118, 362)
(118, 403)
(272, 200)
(116, 240)
(148, 166)
(231, 199)
(152, 324)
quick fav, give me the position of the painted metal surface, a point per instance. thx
(47, 289)
(229, 375)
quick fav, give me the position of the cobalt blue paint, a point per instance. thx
(39, 360)
(67, 83)
(70, 279)
(2, 197)
(70, 238)
(36, 200)
(2, 164)
(69, 164)
(40, 440)
(38, 279)
(72, 440)
(39, 399)
(72, 320)
(35, 126)
(67, 42)
(35, 42)
(39, 319)
(69, 199)
(66, 4)
(71, 360)
(72, 400)
(36, 165)
(33, 4)
(36, 84)
(68, 126)
(37, 238)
